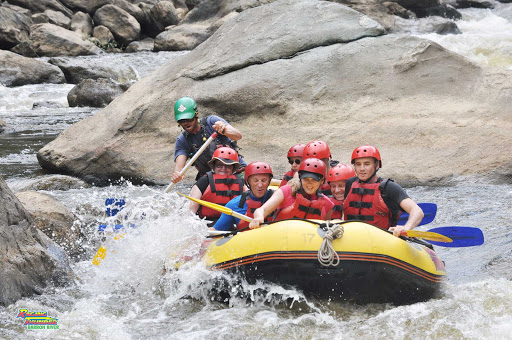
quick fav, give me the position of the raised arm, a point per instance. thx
(227, 130)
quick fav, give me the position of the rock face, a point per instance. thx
(16, 70)
(54, 219)
(95, 93)
(51, 41)
(283, 81)
(14, 28)
(29, 260)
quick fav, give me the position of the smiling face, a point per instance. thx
(259, 184)
(338, 189)
(223, 169)
(190, 125)
(310, 185)
(365, 168)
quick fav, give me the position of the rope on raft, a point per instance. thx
(327, 256)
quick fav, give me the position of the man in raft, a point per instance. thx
(375, 200)
(337, 179)
(258, 176)
(298, 199)
(196, 132)
(294, 158)
(220, 185)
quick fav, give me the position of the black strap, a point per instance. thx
(359, 217)
(309, 210)
(360, 204)
(226, 180)
(363, 191)
(338, 208)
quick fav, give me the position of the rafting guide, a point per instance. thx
(37, 320)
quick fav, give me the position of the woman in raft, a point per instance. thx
(298, 199)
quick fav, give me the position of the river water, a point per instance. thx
(128, 296)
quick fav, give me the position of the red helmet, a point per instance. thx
(255, 168)
(317, 149)
(312, 166)
(366, 151)
(225, 155)
(340, 172)
(296, 150)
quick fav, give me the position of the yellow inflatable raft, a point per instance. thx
(374, 266)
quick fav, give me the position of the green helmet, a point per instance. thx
(185, 108)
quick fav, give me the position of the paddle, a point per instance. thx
(461, 236)
(113, 207)
(193, 159)
(429, 210)
(427, 235)
(218, 207)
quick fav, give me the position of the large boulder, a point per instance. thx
(95, 93)
(16, 70)
(282, 81)
(38, 6)
(14, 28)
(29, 260)
(57, 18)
(123, 26)
(82, 24)
(181, 38)
(77, 70)
(51, 41)
(54, 220)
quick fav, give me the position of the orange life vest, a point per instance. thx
(252, 205)
(304, 208)
(221, 189)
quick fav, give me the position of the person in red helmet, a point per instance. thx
(258, 176)
(219, 185)
(375, 200)
(319, 149)
(294, 158)
(337, 179)
(298, 199)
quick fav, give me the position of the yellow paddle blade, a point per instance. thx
(210, 205)
(100, 256)
(427, 235)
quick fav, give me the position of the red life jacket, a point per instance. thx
(287, 176)
(221, 190)
(252, 205)
(365, 203)
(326, 189)
(337, 211)
(304, 208)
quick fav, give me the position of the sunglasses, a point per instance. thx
(297, 161)
(184, 121)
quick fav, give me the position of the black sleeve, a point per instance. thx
(393, 195)
(202, 183)
(348, 185)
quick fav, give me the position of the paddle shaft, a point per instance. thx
(193, 159)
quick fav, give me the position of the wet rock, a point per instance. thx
(103, 35)
(146, 44)
(474, 4)
(95, 93)
(16, 70)
(51, 40)
(77, 70)
(51, 183)
(54, 220)
(82, 24)
(46, 104)
(123, 26)
(3, 125)
(30, 261)
(436, 25)
(14, 28)
(57, 18)
(181, 38)
(39, 6)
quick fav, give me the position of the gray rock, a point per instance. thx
(54, 220)
(3, 125)
(77, 70)
(408, 96)
(82, 24)
(51, 41)
(14, 28)
(57, 18)
(164, 14)
(181, 38)
(40, 18)
(95, 93)
(25, 49)
(16, 70)
(16, 9)
(426, 25)
(123, 26)
(103, 34)
(87, 6)
(146, 44)
(474, 4)
(29, 260)
(50, 183)
(38, 6)
(130, 8)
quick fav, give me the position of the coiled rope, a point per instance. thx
(327, 256)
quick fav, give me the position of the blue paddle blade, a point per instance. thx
(461, 236)
(429, 210)
(114, 205)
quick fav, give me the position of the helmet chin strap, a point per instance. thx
(371, 177)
